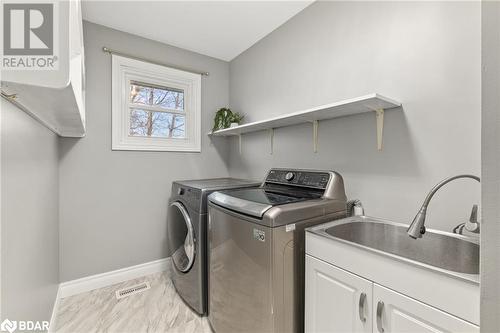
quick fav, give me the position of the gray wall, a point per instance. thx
(426, 55)
(490, 233)
(29, 215)
(113, 204)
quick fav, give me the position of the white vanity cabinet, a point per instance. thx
(395, 313)
(334, 303)
(336, 300)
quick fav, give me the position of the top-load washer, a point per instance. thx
(187, 235)
(256, 256)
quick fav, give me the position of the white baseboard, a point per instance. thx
(53, 317)
(92, 282)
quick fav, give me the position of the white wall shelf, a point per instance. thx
(56, 98)
(369, 103)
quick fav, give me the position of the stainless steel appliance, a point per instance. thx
(187, 235)
(256, 257)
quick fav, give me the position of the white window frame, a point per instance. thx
(125, 71)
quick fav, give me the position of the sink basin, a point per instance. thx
(440, 249)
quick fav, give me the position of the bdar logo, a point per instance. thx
(28, 29)
(8, 326)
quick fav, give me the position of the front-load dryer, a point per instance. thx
(187, 236)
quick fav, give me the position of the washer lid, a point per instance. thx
(254, 202)
(266, 196)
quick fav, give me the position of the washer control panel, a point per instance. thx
(299, 178)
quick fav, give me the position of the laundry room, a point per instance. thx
(249, 166)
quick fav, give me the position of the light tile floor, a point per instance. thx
(159, 309)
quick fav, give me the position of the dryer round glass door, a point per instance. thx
(181, 237)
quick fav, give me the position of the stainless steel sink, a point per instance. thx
(440, 249)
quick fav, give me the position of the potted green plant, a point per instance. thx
(225, 118)
(236, 119)
(222, 119)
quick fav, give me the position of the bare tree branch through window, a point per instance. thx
(167, 122)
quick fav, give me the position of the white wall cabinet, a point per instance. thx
(334, 303)
(55, 97)
(336, 300)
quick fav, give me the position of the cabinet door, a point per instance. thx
(394, 312)
(336, 300)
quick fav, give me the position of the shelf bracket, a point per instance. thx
(9, 96)
(315, 136)
(271, 140)
(380, 127)
(239, 143)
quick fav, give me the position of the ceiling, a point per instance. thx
(220, 29)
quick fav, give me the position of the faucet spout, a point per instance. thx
(417, 226)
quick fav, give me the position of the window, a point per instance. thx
(154, 107)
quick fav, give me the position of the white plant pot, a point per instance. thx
(234, 125)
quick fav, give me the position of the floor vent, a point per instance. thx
(132, 290)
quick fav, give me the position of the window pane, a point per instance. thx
(163, 97)
(179, 128)
(156, 124)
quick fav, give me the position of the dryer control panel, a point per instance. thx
(298, 178)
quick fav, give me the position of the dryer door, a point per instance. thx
(181, 237)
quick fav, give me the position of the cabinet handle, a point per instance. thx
(380, 308)
(362, 301)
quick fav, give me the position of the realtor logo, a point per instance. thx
(8, 326)
(24, 326)
(29, 35)
(28, 29)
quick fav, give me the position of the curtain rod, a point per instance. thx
(110, 51)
